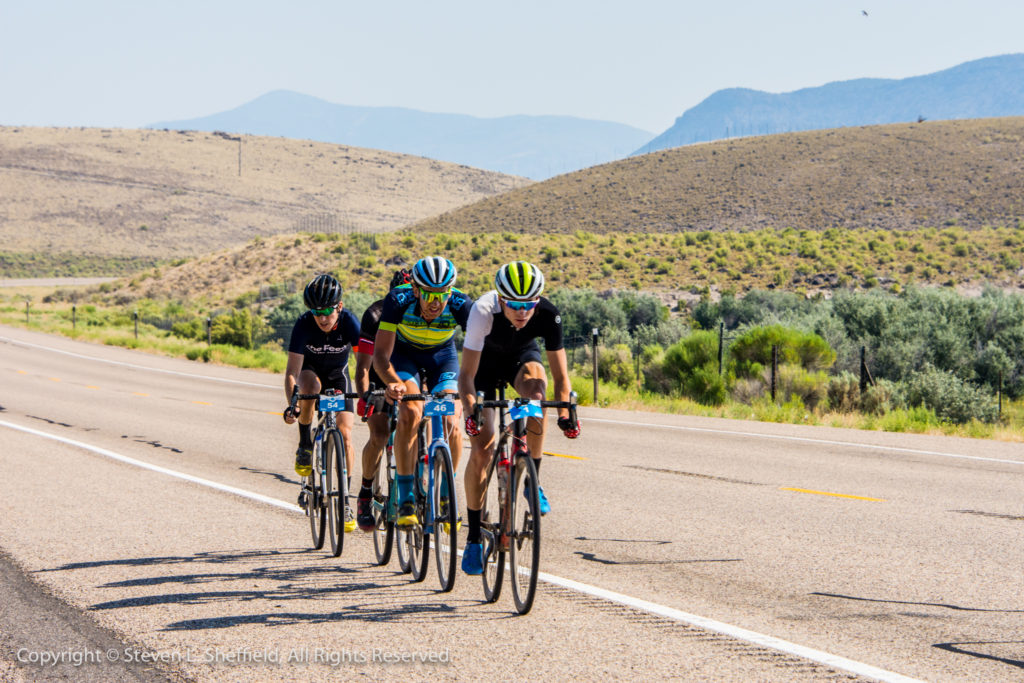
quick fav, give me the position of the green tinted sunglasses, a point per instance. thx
(431, 297)
(322, 311)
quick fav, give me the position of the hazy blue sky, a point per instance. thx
(640, 62)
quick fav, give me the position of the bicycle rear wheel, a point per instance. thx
(524, 546)
(446, 532)
(335, 489)
(490, 530)
(315, 509)
(380, 505)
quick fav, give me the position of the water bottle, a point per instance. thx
(503, 468)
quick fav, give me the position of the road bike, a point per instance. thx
(325, 490)
(435, 499)
(510, 516)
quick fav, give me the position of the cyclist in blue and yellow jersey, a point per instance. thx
(318, 360)
(501, 348)
(367, 380)
(417, 326)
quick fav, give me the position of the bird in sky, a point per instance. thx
(864, 12)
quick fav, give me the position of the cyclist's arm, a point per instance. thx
(383, 345)
(363, 363)
(467, 373)
(291, 373)
(559, 366)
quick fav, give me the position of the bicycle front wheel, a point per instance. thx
(490, 531)
(335, 489)
(315, 509)
(380, 505)
(446, 531)
(524, 546)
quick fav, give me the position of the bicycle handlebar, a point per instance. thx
(509, 402)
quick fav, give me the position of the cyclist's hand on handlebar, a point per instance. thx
(570, 430)
(472, 428)
(290, 414)
(396, 390)
(361, 408)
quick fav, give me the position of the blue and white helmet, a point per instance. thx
(434, 272)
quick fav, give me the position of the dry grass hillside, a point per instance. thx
(149, 194)
(892, 177)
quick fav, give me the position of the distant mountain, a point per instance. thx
(983, 88)
(536, 147)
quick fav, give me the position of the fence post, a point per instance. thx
(865, 374)
(26, 311)
(209, 339)
(135, 316)
(74, 316)
(721, 337)
(595, 365)
(638, 364)
(1000, 394)
(775, 368)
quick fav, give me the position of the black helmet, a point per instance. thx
(401, 277)
(323, 291)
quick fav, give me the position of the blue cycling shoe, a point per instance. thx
(473, 559)
(545, 506)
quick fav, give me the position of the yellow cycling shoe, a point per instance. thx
(407, 514)
(447, 527)
(350, 520)
(304, 461)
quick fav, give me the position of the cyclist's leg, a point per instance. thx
(308, 383)
(531, 382)
(441, 368)
(338, 380)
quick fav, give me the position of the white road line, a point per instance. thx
(17, 342)
(781, 437)
(759, 639)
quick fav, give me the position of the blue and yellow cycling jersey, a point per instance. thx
(401, 314)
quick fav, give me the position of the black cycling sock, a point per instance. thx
(305, 439)
(474, 526)
(367, 489)
(536, 464)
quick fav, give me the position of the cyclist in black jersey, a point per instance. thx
(501, 348)
(367, 380)
(317, 360)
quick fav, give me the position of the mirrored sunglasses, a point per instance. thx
(522, 305)
(431, 297)
(322, 311)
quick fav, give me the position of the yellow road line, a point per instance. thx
(92, 386)
(202, 403)
(22, 372)
(55, 379)
(836, 495)
(562, 455)
(139, 393)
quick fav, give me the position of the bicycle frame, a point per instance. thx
(436, 407)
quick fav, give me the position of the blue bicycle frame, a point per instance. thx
(436, 408)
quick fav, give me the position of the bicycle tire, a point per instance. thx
(524, 546)
(335, 489)
(315, 509)
(490, 529)
(446, 532)
(380, 505)
(419, 539)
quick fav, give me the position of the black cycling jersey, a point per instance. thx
(324, 350)
(489, 330)
(367, 332)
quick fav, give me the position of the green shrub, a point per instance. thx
(951, 398)
(691, 366)
(843, 392)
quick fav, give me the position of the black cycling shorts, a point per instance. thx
(332, 378)
(497, 369)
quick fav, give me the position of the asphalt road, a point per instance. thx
(678, 547)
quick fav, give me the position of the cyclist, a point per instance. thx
(368, 380)
(318, 360)
(501, 348)
(417, 326)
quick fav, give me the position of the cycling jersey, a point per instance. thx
(401, 315)
(326, 353)
(489, 330)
